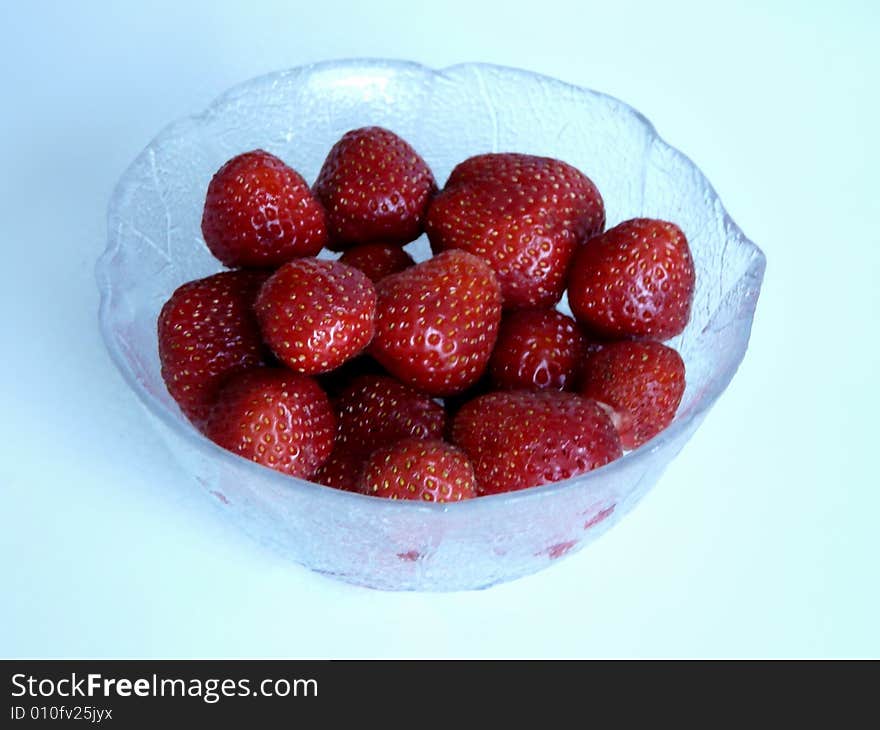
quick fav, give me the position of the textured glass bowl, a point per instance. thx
(155, 244)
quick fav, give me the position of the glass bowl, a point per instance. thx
(155, 244)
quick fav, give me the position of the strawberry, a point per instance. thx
(260, 213)
(276, 418)
(426, 470)
(436, 322)
(537, 349)
(375, 188)
(523, 214)
(520, 439)
(341, 471)
(635, 280)
(316, 314)
(377, 260)
(207, 331)
(641, 382)
(376, 410)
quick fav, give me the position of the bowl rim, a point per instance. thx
(177, 424)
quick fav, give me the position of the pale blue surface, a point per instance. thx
(761, 538)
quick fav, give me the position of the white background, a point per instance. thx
(760, 540)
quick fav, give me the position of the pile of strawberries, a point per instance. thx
(441, 380)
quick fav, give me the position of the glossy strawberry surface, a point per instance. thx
(377, 260)
(276, 418)
(537, 349)
(207, 331)
(375, 188)
(525, 215)
(374, 411)
(424, 470)
(316, 314)
(641, 382)
(635, 280)
(260, 213)
(521, 439)
(437, 322)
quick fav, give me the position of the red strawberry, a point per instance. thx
(316, 314)
(537, 349)
(341, 471)
(523, 214)
(436, 322)
(207, 331)
(374, 411)
(260, 213)
(520, 439)
(377, 260)
(375, 187)
(642, 382)
(276, 418)
(635, 280)
(429, 471)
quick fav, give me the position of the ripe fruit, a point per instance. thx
(635, 280)
(377, 260)
(436, 322)
(524, 215)
(276, 418)
(260, 213)
(207, 331)
(429, 471)
(376, 410)
(537, 349)
(341, 471)
(466, 346)
(316, 314)
(520, 439)
(641, 382)
(375, 187)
